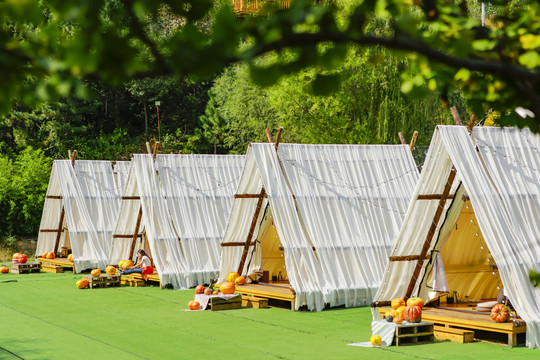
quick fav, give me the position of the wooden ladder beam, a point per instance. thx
(251, 231)
(431, 233)
(59, 234)
(136, 233)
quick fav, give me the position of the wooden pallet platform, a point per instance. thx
(25, 268)
(277, 291)
(254, 302)
(217, 303)
(102, 281)
(131, 281)
(414, 334)
(63, 262)
(154, 278)
(485, 329)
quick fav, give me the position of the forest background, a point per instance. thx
(219, 115)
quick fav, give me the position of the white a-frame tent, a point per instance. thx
(176, 208)
(80, 210)
(335, 212)
(473, 226)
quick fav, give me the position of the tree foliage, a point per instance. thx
(49, 47)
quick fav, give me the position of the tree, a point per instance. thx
(48, 47)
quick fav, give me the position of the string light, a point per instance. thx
(512, 160)
(184, 184)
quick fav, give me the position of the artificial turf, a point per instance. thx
(44, 316)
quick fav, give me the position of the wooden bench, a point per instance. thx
(453, 334)
(103, 280)
(254, 302)
(137, 278)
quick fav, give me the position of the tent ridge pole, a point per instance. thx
(431, 233)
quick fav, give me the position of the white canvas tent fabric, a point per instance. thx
(337, 210)
(90, 197)
(185, 201)
(502, 180)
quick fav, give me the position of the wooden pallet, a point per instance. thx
(59, 262)
(25, 268)
(413, 334)
(254, 302)
(102, 280)
(282, 292)
(131, 281)
(217, 303)
(453, 334)
(51, 268)
(153, 278)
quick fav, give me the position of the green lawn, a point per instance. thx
(44, 316)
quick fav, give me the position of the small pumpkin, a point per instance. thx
(50, 255)
(228, 288)
(127, 264)
(207, 291)
(400, 312)
(70, 257)
(81, 284)
(398, 302)
(95, 272)
(110, 270)
(199, 289)
(22, 259)
(193, 305)
(240, 280)
(16, 256)
(389, 318)
(215, 292)
(375, 340)
(413, 314)
(415, 301)
(398, 320)
(4, 269)
(500, 313)
(121, 264)
(44, 255)
(232, 276)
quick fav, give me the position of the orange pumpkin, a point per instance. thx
(16, 256)
(400, 312)
(95, 272)
(232, 276)
(396, 303)
(70, 257)
(207, 291)
(500, 313)
(110, 270)
(127, 264)
(228, 288)
(215, 292)
(81, 284)
(22, 259)
(199, 289)
(415, 301)
(240, 280)
(398, 320)
(50, 255)
(4, 269)
(193, 305)
(44, 255)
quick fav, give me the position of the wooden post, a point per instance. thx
(278, 137)
(59, 233)
(148, 148)
(251, 230)
(431, 233)
(402, 138)
(134, 240)
(269, 136)
(472, 122)
(455, 114)
(156, 147)
(413, 140)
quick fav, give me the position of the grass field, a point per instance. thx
(44, 316)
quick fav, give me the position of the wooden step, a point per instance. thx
(254, 302)
(453, 334)
(102, 280)
(131, 281)
(52, 268)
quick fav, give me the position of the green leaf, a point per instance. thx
(530, 59)
(483, 45)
